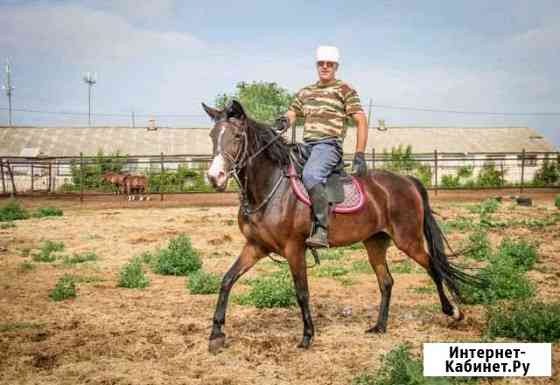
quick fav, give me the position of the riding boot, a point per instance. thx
(320, 208)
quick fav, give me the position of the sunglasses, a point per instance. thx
(328, 64)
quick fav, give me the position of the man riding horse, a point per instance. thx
(325, 107)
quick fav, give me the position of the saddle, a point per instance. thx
(344, 192)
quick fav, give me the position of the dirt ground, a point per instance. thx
(159, 335)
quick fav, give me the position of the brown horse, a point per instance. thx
(136, 184)
(273, 220)
(116, 180)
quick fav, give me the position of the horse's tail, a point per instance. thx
(452, 275)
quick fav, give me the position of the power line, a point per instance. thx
(464, 112)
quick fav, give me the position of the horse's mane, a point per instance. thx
(260, 135)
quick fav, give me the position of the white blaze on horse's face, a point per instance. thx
(217, 171)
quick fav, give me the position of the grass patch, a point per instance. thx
(525, 321)
(47, 250)
(48, 212)
(132, 275)
(276, 290)
(477, 246)
(15, 326)
(12, 211)
(65, 288)
(459, 224)
(399, 367)
(404, 267)
(557, 201)
(487, 206)
(424, 289)
(202, 282)
(179, 258)
(331, 254)
(361, 266)
(329, 271)
(87, 256)
(87, 278)
(505, 281)
(7, 225)
(523, 255)
(25, 267)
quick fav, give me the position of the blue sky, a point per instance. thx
(165, 57)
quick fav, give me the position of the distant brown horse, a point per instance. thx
(136, 184)
(116, 179)
(273, 220)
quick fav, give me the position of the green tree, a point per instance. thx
(263, 101)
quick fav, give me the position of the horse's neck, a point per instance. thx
(261, 177)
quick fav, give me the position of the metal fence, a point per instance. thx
(185, 173)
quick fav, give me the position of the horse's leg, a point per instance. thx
(376, 247)
(248, 257)
(296, 260)
(416, 251)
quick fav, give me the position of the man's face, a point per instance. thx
(326, 70)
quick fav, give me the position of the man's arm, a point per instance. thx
(361, 131)
(291, 117)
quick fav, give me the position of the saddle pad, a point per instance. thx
(353, 194)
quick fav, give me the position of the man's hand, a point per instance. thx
(359, 166)
(282, 123)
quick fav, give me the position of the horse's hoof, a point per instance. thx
(305, 342)
(377, 329)
(216, 343)
(457, 314)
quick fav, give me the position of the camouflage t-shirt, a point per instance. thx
(325, 108)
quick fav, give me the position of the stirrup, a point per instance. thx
(318, 239)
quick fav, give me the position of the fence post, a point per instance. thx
(49, 185)
(161, 179)
(81, 176)
(32, 172)
(373, 158)
(2, 173)
(522, 170)
(435, 171)
(502, 179)
(11, 173)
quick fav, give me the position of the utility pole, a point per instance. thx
(133, 120)
(9, 89)
(90, 81)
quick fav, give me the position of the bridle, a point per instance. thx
(239, 161)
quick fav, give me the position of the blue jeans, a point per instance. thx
(325, 155)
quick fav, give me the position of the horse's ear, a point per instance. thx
(235, 110)
(212, 112)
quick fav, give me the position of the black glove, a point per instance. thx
(359, 166)
(282, 123)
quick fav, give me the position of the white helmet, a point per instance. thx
(327, 53)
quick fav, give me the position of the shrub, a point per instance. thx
(48, 212)
(399, 367)
(201, 282)
(478, 246)
(7, 225)
(526, 321)
(179, 258)
(93, 170)
(489, 176)
(557, 201)
(487, 206)
(268, 292)
(504, 280)
(450, 181)
(80, 258)
(25, 266)
(13, 210)
(132, 275)
(465, 171)
(523, 255)
(547, 174)
(65, 288)
(46, 251)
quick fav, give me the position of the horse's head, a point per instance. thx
(229, 141)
